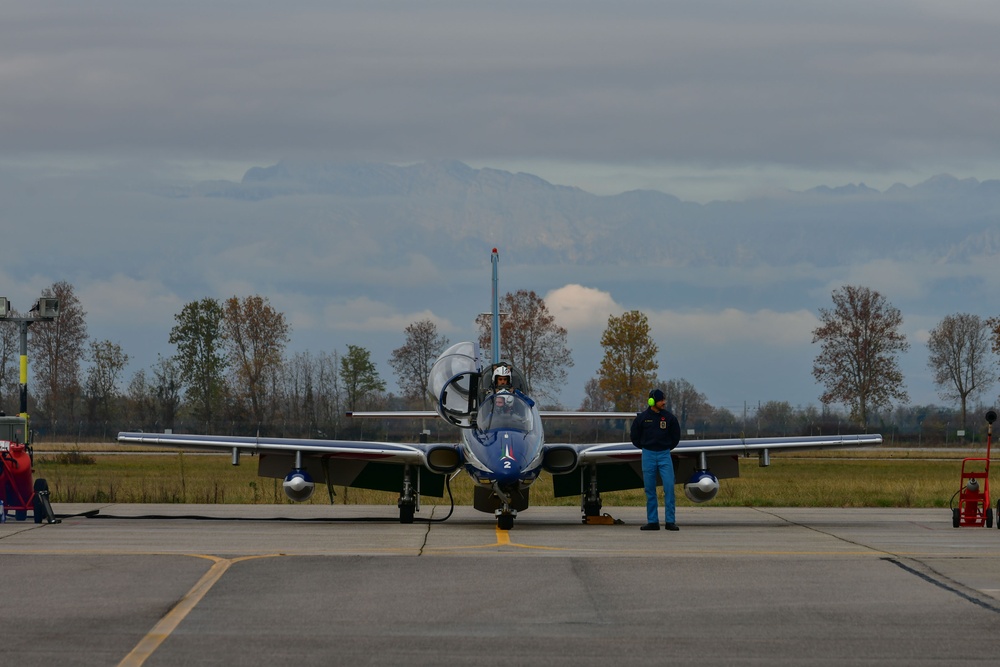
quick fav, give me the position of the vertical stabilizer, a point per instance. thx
(495, 331)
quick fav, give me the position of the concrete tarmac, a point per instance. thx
(348, 585)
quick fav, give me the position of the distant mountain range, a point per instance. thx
(354, 252)
(943, 218)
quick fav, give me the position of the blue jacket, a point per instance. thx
(655, 431)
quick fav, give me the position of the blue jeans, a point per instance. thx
(653, 462)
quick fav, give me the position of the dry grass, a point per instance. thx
(847, 478)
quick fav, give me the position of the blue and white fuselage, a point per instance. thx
(503, 449)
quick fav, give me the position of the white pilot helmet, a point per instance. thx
(499, 372)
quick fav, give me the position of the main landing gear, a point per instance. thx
(590, 502)
(408, 498)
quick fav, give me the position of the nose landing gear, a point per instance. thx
(505, 518)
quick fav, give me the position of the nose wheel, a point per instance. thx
(505, 520)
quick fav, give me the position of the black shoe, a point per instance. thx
(650, 526)
(671, 526)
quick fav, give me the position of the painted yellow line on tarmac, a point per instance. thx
(505, 541)
(165, 627)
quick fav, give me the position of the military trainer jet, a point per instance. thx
(502, 446)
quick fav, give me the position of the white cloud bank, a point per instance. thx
(577, 307)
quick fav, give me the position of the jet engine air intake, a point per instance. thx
(559, 460)
(444, 460)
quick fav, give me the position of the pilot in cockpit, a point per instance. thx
(503, 403)
(501, 379)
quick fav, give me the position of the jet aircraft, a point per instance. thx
(502, 446)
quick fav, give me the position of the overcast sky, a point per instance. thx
(699, 99)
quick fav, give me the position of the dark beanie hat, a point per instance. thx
(656, 395)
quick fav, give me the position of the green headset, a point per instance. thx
(652, 401)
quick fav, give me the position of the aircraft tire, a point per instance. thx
(505, 521)
(406, 513)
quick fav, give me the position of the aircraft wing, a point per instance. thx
(383, 466)
(392, 414)
(544, 414)
(346, 449)
(617, 452)
(699, 464)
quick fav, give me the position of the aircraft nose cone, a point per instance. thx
(510, 475)
(509, 469)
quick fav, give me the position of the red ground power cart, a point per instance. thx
(974, 493)
(17, 490)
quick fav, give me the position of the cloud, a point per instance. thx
(843, 86)
(765, 327)
(576, 307)
(136, 314)
(367, 315)
(120, 300)
(891, 278)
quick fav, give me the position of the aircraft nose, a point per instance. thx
(510, 465)
(511, 475)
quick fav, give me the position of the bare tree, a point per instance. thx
(328, 394)
(412, 362)
(775, 417)
(153, 404)
(594, 399)
(628, 369)
(684, 401)
(140, 403)
(857, 363)
(531, 340)
(297, 396)
(9, 364)
(993, 324)
(960, 358)
(56, 349)
(107, 362)
(167, 385)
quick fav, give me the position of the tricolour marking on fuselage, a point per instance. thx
(502, 455)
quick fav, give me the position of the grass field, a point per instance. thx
(843, 478)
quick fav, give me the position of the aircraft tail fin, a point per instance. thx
(495, 332)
